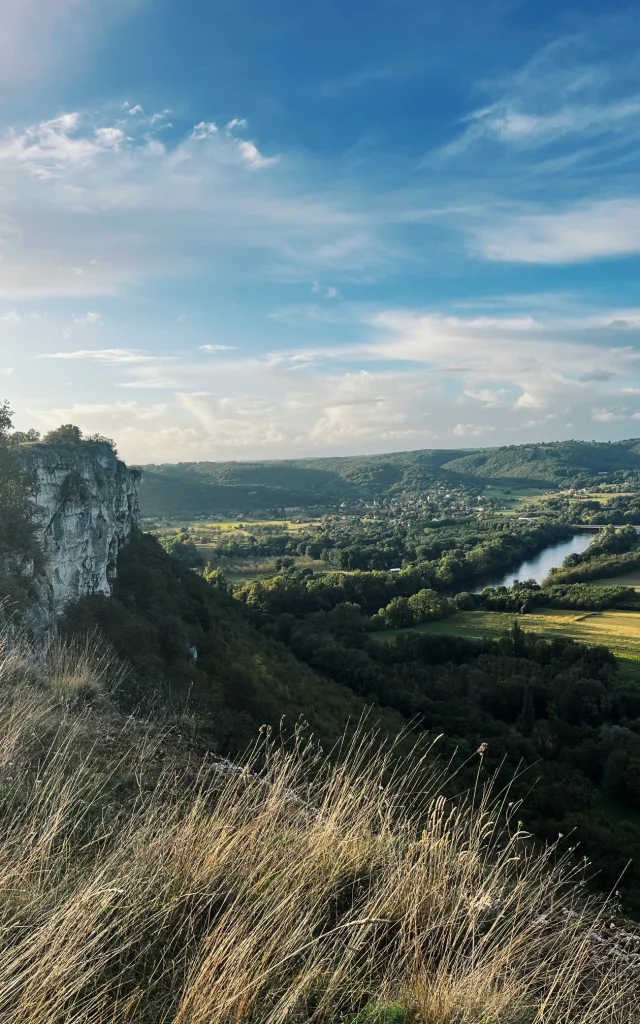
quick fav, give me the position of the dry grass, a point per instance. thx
(135, 886)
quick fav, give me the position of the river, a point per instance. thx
(538, 568)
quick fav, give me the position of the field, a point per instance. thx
(207, 535)
(224, 525)
(514, 498)
(619, 631)
(628, 579)
(249, 569)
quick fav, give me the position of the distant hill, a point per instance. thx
(195, 488)
(554, 463)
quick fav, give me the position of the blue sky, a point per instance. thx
(238, 229)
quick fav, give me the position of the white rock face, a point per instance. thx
(87, 505)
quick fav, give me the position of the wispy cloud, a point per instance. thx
(405, 68)
(472, 429)
(83, 195)
(328, 291)
(422, 378)
(88, 319)
(607, 227)
(555, 154)
(113, 356)
(569, 88)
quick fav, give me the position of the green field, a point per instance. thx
(619, 631)
(515, 498)
(224, 525)
(627, 579)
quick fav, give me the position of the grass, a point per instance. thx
(241, 525)
(514, 498)
(140, 884)
(249, 569)
(239, 569)
(627, 579)
(619, 631)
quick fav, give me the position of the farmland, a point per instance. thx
(225, 525)
(619, 631)
(627, 579)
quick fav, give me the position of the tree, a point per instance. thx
(528, 715)
(284, 563)
(101, 439)
(17, 530)
(24, 436)
(66, 432)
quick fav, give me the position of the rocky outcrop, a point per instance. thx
(86, 506)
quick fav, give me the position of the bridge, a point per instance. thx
(598, 526)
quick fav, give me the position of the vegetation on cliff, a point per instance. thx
(19, 550)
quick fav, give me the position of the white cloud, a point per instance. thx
(505, 122)
(110, 137)
(12, 317)
(217, 348)
(530, 400)
(327, 291)
(91, 206)
(6, 371)
(151, 384)
(472, 429)
(252, 156)
(514, 377)
(607, 416)
(204, 129)
(566, 92)
(88, 319)
(606, 227)
(112, 356)
(487, 396)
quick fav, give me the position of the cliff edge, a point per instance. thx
(86, 503)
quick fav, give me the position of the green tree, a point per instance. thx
(18, 546)
(528, 715)
(24, 436)
(66, 432)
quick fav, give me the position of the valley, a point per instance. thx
(379, 610)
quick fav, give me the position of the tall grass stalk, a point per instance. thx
(138, 885)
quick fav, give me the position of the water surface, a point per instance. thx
(538, 568)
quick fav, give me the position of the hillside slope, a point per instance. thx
(560, 462)
(161, 614)
(195, 488)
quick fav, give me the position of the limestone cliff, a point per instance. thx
(86, 506)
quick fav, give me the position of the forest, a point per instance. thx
(193, 488)
(446, 553)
